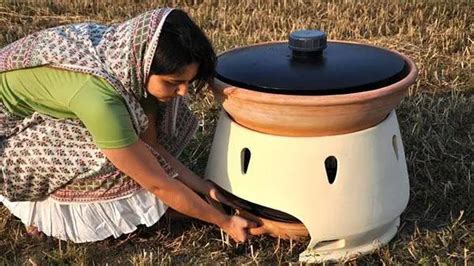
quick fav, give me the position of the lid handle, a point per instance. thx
(305, 43)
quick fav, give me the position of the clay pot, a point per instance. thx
(295, 231)
(312, 115)
(284, 230)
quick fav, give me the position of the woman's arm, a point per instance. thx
(188, 177)
(140, 164)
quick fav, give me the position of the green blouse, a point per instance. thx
(67, 94)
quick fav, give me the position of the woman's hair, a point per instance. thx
(181, 43)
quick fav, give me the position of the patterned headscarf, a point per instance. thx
(121, 54)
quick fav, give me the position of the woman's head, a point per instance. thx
(183, 55)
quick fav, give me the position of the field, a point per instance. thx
(436, 119)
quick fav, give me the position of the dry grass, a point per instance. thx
(437, 123)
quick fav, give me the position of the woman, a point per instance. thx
(91, 119)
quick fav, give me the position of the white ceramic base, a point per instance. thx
(354, 213)
(351, 247)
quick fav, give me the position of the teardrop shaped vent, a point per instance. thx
(395, 145)
(245, 160)
(331, 168)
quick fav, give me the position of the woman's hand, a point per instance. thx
(237, 227)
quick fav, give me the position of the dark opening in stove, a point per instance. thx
(259, 210)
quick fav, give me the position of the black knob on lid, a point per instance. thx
(307, 41)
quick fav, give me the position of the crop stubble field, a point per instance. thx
(436, 120)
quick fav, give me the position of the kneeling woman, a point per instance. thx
(91, 121)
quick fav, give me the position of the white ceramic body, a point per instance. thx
(355, 214)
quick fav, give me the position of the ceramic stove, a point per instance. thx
(347, 187)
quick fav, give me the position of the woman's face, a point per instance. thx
(166, 87)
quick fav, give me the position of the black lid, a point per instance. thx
(309, 65)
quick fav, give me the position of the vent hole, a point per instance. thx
(331, 168)
(395, 145)
(245, 160)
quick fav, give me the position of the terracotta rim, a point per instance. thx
(320, 100)
(295, 231)
(284, 230)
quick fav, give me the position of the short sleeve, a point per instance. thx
(104, 113)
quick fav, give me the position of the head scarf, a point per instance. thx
(121, 54)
